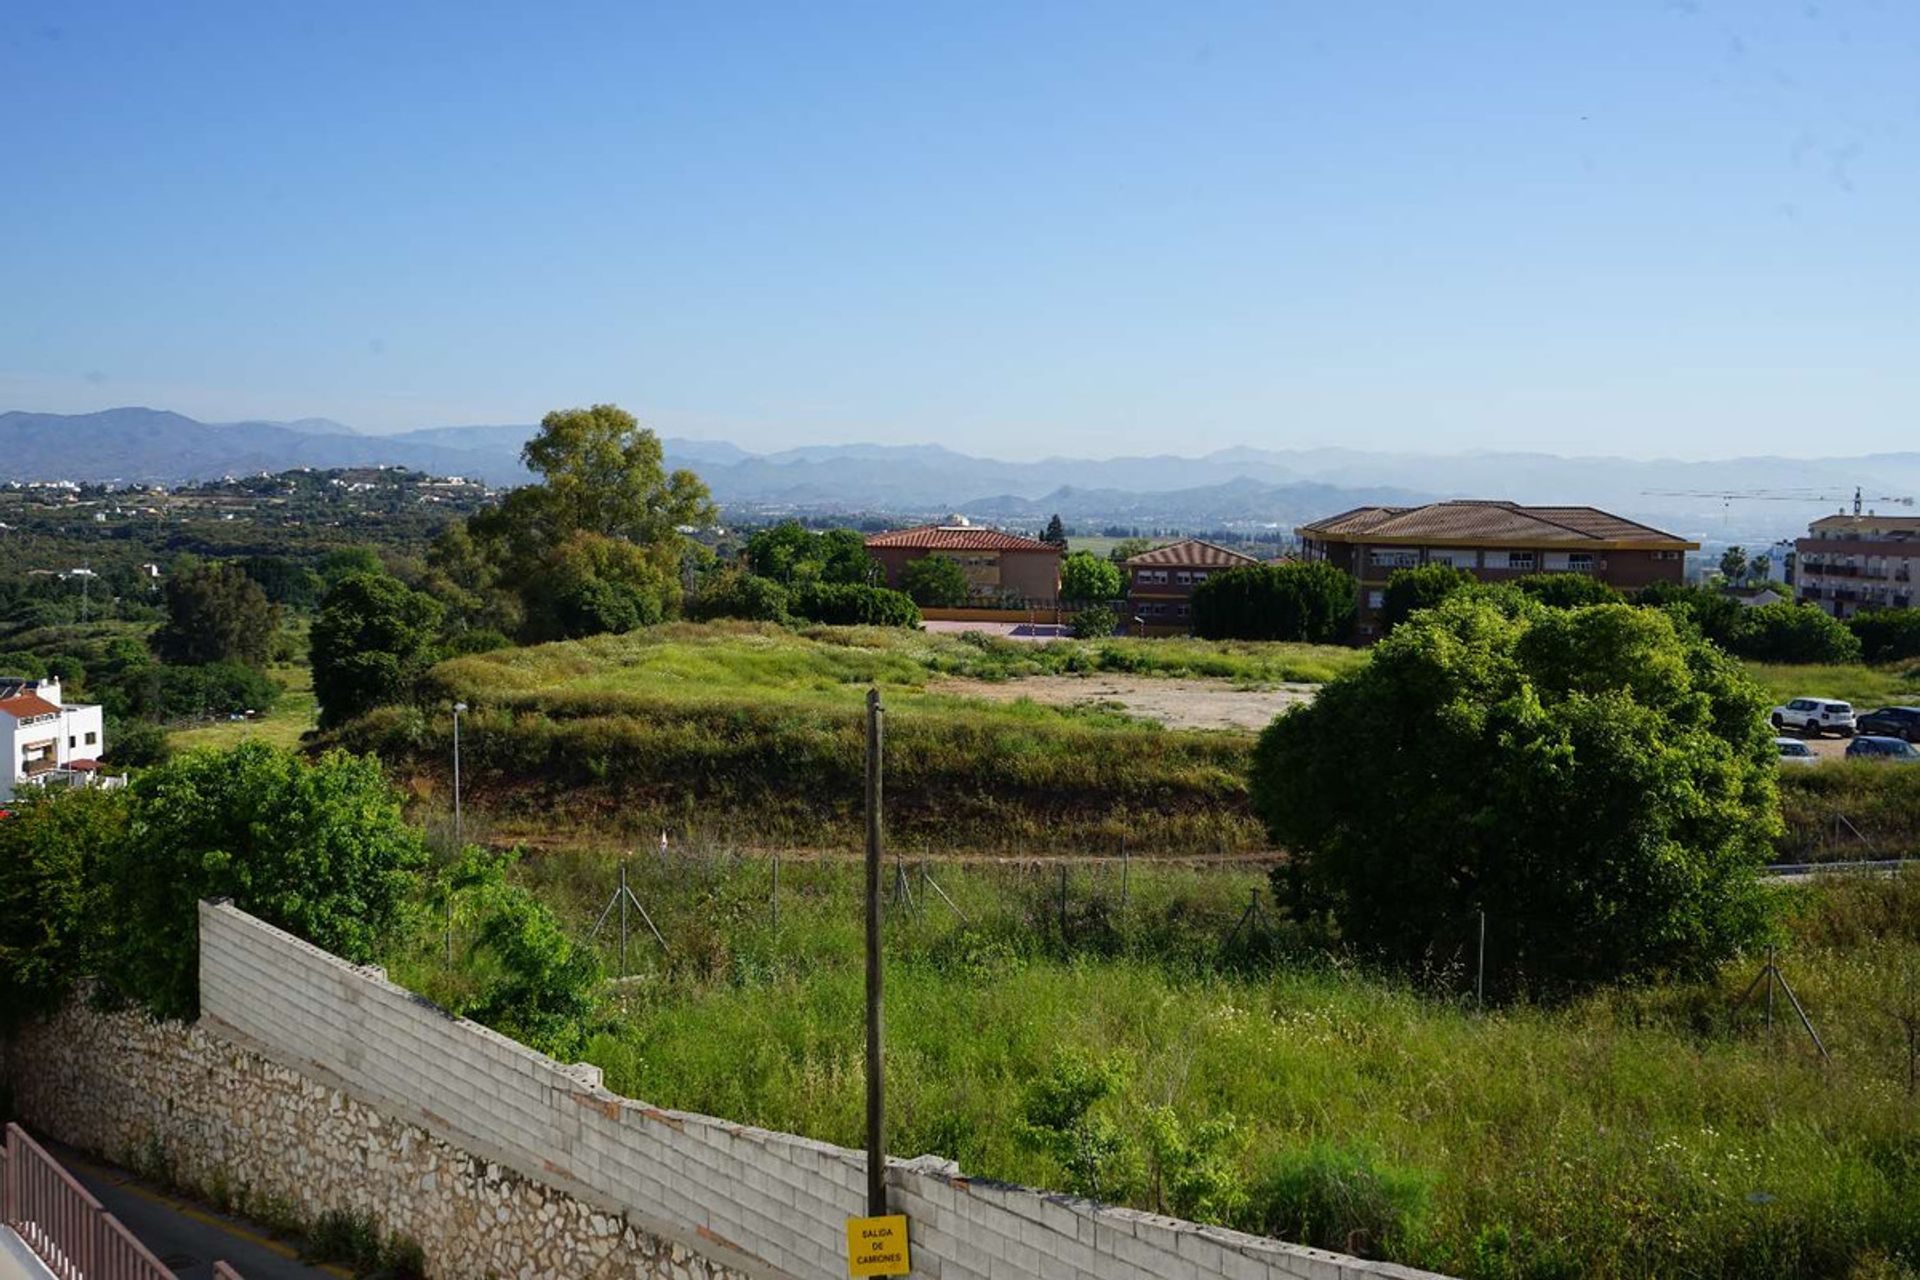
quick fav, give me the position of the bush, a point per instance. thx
(1095, 623)
(1085, 576)
(1887, 635)
(935, 582)
(372, 640)
(1057, 1117)
(1330, 1197)
(53, 852)
(1567, 590)
(1313, 602)
(1793, 633)
(1599, 784)
(135, 744)
(216, 613)
(320, 850)
(846, 605)
(1421, 588)
(731, 593)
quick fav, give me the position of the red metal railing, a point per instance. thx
(221, 1271)
(61, 1222)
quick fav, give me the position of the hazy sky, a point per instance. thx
(1650, 228)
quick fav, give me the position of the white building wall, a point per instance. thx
(82, 733)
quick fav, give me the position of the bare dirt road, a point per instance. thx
(1178, 704)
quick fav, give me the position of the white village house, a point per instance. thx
(44, 739)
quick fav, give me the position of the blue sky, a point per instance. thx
(1687, 229)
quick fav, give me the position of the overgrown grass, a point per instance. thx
(292, 716)
(1636, 1132)
(730, 725)
(1865, 687)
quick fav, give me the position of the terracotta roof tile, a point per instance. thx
(28, 704)
(938, 537)
(1484, 521)
(1192, 553)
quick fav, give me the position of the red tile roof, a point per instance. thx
(957, 537)
(1192, 553)
(1478, 521)
(26, 705)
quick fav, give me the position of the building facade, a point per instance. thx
(44, 739)
(1494, 541)
(1001, 568)
(1849, 564)
(1160, 583)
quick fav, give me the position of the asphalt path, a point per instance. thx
(187, 1237)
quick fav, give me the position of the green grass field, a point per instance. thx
(1865, 687)
(1637, 1132)
(292, 716)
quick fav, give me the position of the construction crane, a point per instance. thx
(1729, 496)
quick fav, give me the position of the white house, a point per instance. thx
(44, 739)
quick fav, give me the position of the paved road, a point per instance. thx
(186, 1237)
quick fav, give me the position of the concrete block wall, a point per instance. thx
(768, 1204)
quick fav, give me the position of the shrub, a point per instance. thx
(1567, 590)
(1096, 623)
(1887, 635)
(1793, 633)
(847, 605)
(1600, 785)
(1331, 1197)
(1085, 576)
(935, 582)
(320, 850)
(52, 900)
(730, 593)
(372, 640)
(216, 613)
(1421, 588)
(542, 991)
(1312, 602)
(1057, 1118)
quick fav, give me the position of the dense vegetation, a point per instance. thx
(1311, 602)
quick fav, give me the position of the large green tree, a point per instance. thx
(54, 856)
(791, 554)
(1085, 576)
(1598, 782)
(935, 582)
(1303, 601)
(1419, 588)
(1888, 635)
(372, 639)
(321, 850)
(217, 613)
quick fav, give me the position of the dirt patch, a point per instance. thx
(1178, 704)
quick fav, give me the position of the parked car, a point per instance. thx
(1815, 716)
(1898, 750)
(1795, 751)
(1891, 722)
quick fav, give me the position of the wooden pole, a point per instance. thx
(876, 1078)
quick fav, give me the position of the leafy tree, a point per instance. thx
(1599, 782)
(935, 582)
(847, 604)
(321, 850)
(1057, 1117)
(541, 989)
(1760, 567)
(372, 639)
(462, 576)
(791, 554)
(1056, 533)
(343, 562)
(1194, 1172)
(52, 894)
(1095, 623)
(1311, 601)
(216, 613)
(1567, 590)
(732, 593)
(1733, 563)
(591, 583)
(1127, 548)
(285, 582)
(1887, 635)
(1419, 588)
(1786, 632)
(1085, 576)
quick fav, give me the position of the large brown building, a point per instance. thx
(1001, 568)
(1494, 541)
(1856, 564)
(1160, 582)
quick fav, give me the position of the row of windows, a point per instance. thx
(1518, 561)
(1169, 608)
(1158, 577)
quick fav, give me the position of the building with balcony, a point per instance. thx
(45, 740)
(1849, 564)
(1494, 541)
(1001, 568)
(1160, 583)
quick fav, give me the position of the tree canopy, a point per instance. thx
(1419, 588)
(217, 613)
(1085, 576)
(791, 554)
(1599, 782)
(935, 582)
(371, 640)
(1311, 601)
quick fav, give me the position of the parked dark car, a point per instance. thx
(1892, 722)
(1898, 750)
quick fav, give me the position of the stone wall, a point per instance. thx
(311, 1078)
(230, 1123)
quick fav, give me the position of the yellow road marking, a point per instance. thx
(186, 1209)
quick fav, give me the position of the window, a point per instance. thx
(1389, 558)
(1452, 556)
(1183, 577)
(1580, 562)
(1375, 599)
(1151, 577)
(1199, 576)
(92, 737)
(1521, 560)
(1181, 610)
(71, 742)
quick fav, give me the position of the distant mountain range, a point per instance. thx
(1232, 486)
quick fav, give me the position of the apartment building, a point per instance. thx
(1849, 564)
(1160, 582)
(1494, 541)
(1001, 568)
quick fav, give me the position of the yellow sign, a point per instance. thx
(877, 1246)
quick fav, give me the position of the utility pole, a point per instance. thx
(876, 1080)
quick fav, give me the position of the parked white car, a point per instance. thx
(1815, 716)
(1795, 751)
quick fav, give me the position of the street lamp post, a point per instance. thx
(458, 707)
